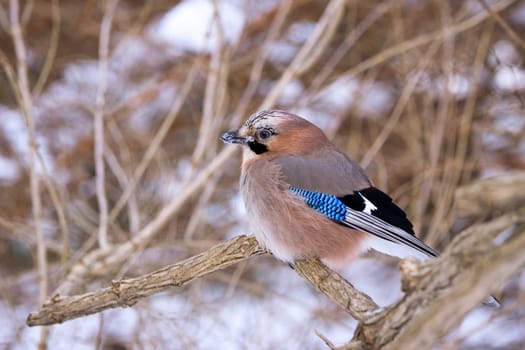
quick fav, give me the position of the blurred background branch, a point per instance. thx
(429, 94)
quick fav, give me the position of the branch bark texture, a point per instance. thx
(127, 292)
(441, 292)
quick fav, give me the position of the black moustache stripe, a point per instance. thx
(257, 148)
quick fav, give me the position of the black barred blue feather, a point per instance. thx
(327, 204)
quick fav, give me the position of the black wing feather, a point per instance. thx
(386, 209)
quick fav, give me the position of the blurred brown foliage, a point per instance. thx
(413, 89)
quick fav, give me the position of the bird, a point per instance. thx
(306, 198)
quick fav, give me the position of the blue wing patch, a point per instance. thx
(327, 204)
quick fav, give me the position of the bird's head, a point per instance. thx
(274, 133)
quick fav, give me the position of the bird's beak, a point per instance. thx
(233, 138)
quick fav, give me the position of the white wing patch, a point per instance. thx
(369, 206)
(393, 248)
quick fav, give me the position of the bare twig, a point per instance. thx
(51, 52)
(100, 102)
(506, 27)
(55, 197)
(424, 39)
(196, 215)
(325, 339)
(26, 12)
(310, 51)
(11, 77)
(258, 65)
(399, 107)
(27, 111)
(4, 19)
(216, 90)
(456, 161)
(343, 49)
(155, 143)
(23, 233)
(123, 179)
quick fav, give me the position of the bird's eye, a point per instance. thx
(265, 134)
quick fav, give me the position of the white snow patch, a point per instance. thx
(511, 123)
(505, 124)
(281, 52)
(237, 206)
(458, 85)
(376, 99)
(300, 31)
(81, 81)
(509, 78)
(494, 141)
(323, 119)
(503, 53)
(517, 14)
(133, 49)
(379, 280)
(238, 213)
(503, 236)
(221, 322)
(340, 94)
(291, 93)
(481, 331)
(192, 25)
(369, 98)
(14, 130)
(9, 169)
(492, 172)
(143, 117)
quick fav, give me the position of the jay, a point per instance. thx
(306, 198)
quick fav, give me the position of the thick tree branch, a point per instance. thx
(334, 286)
(439, 293)
(127, 292)
(492, 195)
(475, 265)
